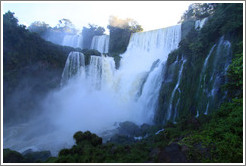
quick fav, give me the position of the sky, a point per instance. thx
(149, 14)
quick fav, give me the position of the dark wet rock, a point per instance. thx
(129, 129)
(184, 148)
(121, 139)
(153, 155)
(145, 129)
(172, 154)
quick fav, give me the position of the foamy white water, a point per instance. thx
(102, 95)
(100, 43)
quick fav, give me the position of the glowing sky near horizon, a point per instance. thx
(150, 14)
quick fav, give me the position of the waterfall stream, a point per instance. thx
(100, 43)
(75, 66)
(95, 96)
(169, 112)
(213, 76)
(75, 41)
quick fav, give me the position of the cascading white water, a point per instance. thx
(197, 114)
(150, 92)
(206, 62)
(135, 75)
(75, 65)
(213, 75)
(143, 50)
(101, 96)
(101, 72)
(100, 43)
(75, 41)
(95, 71)
(206, 112)
(169, 111)
(200, 23)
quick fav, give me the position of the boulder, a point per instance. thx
(172, 154)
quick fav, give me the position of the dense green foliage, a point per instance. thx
(235, 73)
(89, 32)
(10, 156)
(199, 11)
(29, 63)
(89, 149)
(222, 135)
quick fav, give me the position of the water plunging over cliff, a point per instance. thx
(213, 76)
(100, 43)
(144, 49)
(169, 111)
(75, 66)
(75, 41)
(95, 96)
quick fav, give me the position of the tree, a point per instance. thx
(199, 11)
(10, 19)
(65, 25)
(40, 28)
(128, 24)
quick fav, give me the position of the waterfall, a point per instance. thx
(108, 71)
(206, 61)
(150, 91)
(75, 41)
(146, 48)
(101, 72)
(169, 112)
(197, 114)
(96, 96)
(206, 112)
(95, 72)
(100, 43)
(213, 76)
(200, 23)
(74, 66)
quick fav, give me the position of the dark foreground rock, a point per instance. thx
(172, 154)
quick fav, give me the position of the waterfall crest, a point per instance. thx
(75, 41)
(75, 66)
(100, 43)
(146, 48)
